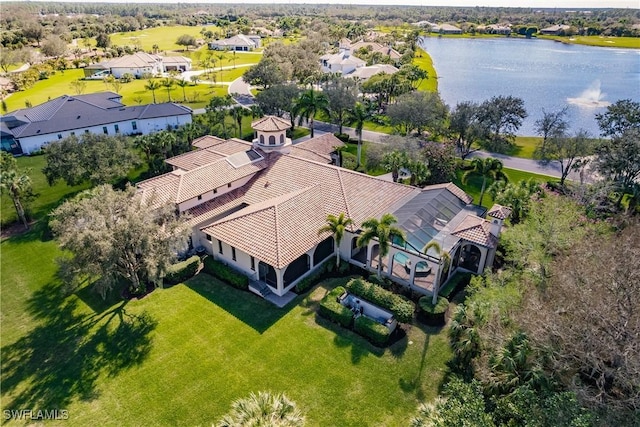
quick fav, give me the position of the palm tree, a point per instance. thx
(443, 265)
(336, 225)
(183, 83)
(419, 172)
(357, 116)
(220, 56)
(153, 85)
(263, 409)
(384, 231)
(308, 104)
(486, 168)
(168, 84)
(238, 113)
(17, 184)
(394, 161)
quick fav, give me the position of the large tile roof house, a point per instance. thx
(239, 42)
(138, 64)
(28, 129)
(258, 208)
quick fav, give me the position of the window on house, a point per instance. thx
(233, 253)
(73, 133)
(229, 185)
(59, 136)
(105, 130)
(116, 128)
(208, 237)
(282, 139)
(272, 140)
(219, 247)
(261, 139)
(86, 131)
(134, 126)
(215, 191)
(253, 263)
(200, 197)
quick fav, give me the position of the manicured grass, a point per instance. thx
(620, 42)
(60, 84)
(474, 184)
(424, 61)
(164, 37)
(48, 197)
(180, 356)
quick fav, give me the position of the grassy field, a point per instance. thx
(424, 61)
(164, 37)
(602, 41)
(474, 184)
(180, 356)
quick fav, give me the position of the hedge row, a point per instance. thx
(376, 333)
(226, 273)
(333, 310)
(401, 307)
(179, 272)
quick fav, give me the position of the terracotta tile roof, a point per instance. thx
(323, 144)
(160, 189)
(476, 230)
(270, 124)
(499, 211)
(206, 141)
(303, 153)
(194, 159)
(457, 191)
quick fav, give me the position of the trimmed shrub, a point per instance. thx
(331, 309)
(342, 136)
(401, 307)
(179, 272)
(308, 282)
(348, 160)
(226, 273)
(457, 282)
(370, 329)
(432, 314)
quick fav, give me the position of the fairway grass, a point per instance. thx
(164, 37)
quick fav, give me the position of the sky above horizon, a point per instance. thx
(564, 4)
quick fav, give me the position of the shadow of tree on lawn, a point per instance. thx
(61, 359)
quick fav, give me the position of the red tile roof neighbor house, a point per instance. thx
(260, 212)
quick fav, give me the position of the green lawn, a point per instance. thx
(180, 356)
(164, 37)
(602, 41)
(424, 61)
(474, 184)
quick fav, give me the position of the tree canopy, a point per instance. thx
(115, 236)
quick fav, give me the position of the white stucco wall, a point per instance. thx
(209, 195)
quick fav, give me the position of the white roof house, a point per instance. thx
(29, 129)
(237, 43)
(140, 63)
(258, 206)
(363, 73)
(342, 62)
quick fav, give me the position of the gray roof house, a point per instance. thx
(237, 43)
(28, 129)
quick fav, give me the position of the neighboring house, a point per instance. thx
(138, 64)
(258, 206)
(388, 51)
(364, 73)
(495, 29)
(342, 62)
(237, 43)
(554, 30)
(445, 29)
(27, 130)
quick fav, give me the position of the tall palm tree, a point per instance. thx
(263, 409)
(238, 113)
(419, 171)
(485, 168)
(357, 116)
(336, 225)
(17, 184)
(183, 83)
(383, 231)
(308, 104)
(168, 83)
(443, 264)
(153, 85)
(220, 56)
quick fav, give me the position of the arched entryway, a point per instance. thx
(296, 269)
(358, 254)
(375, 251)
(470, 257)
(267, 274)
(323, 251)
(401, 267)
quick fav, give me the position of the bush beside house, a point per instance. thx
(401, 307)
(226, 273)
(375, 332)
(179, 272)
(331, 309)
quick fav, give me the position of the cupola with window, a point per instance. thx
(271, 134)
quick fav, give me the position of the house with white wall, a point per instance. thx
(30, 129)
(139, 64)
(257, 207)
(240, 43)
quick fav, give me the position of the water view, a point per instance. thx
(544, 73)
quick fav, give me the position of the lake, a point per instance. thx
(544, 73)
